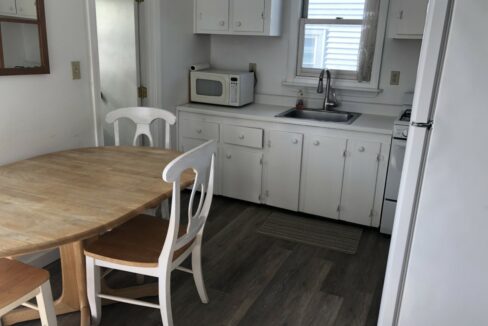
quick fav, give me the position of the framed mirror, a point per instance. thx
(23, 38)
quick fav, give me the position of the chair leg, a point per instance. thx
(196, 266)
(165, 298)
(46, 306)
(93, 289)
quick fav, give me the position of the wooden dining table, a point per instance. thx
(60, 200)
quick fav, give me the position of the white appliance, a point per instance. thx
(230, 88)
(437, 270)
(395, 166)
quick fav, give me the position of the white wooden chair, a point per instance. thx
(155, 247)
(20, 283)
(142, 117)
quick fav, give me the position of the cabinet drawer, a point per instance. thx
(199, 129)
(243, 136)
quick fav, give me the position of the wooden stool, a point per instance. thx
(19, 283)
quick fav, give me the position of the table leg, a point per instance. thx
(73, 297)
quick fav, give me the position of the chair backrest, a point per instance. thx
(202, 161)
(142, 117)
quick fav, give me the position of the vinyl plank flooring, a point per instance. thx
(255, 280)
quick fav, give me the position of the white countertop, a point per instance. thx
(365, 123)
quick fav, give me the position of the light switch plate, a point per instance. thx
(395, 78)
(76, 70)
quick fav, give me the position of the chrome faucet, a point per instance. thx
(328, 103)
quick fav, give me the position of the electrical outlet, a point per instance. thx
(253, 67)
(76, 70)
(395, 78)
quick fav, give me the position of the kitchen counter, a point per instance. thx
(365, 123)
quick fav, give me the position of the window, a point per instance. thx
(331, 34)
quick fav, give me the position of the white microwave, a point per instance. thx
(222, 87)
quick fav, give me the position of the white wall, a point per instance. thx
(180, 49)
(46, 113)
(271, 56)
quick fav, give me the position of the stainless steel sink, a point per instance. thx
(321, 115)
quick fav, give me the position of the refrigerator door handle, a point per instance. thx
(427, 125)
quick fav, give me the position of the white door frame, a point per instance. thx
(152, 51)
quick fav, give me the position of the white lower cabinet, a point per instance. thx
(283, 157)
(330, 173)
(322, 175)
(187, 144)
(359, 185)
(241, 173)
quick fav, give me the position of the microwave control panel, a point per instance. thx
(234, 90)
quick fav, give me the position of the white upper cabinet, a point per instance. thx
(211, 16)
(360, 181)
(19, 8)
(408, 19)
(238, 17)
(7, 7)
(248, 15)
(27, 8)
(283, 159)
(322, 172)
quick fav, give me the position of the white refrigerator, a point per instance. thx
(437, 270)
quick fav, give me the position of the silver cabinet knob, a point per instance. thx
(405, 133)
(228, 156)
(294, 141)
(361, 149)
(222, 23)
(238, 24)
(241, 137)
(199, 131)
(316, 143)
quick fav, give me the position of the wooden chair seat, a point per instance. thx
(136, 243)
(18, 280)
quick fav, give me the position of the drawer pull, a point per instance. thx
(361, 149)
(199, 131)
(241, 137)
(222, 23)
(316, 143)
(228, 156)
(294, 141)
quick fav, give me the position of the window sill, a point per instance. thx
(343, 85)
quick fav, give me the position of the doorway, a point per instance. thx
(125, 50)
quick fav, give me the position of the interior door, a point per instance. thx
(212, 15)
(118, 47)
(247, 15)
(359, 187)
(282, 180)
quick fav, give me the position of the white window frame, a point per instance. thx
(314, 72)
(294, 79)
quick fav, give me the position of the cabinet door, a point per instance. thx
(359, 187)
(212, 15)
(411, 18)
(248, 15)
(283, 165)
(322, 172)
(241, 173)
(187, 144)
(27, 8)
(7, 7)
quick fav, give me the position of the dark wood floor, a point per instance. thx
(255, 280)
